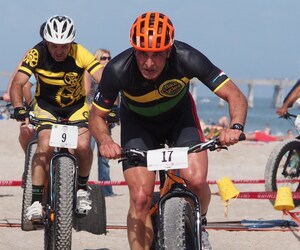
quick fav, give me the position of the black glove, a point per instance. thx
(113, 115)
(20, 114)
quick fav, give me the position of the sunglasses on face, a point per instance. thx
(103, 58)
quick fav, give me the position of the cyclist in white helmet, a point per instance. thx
(60, 30)
(58, 64)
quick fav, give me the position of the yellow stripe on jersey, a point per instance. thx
(160, 93)
(51, 78)
(101, 108)
(85, 57)
(28, 71)
(153, 95)
(221, 85)
(94, 68)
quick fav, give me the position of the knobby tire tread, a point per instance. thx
(64, 196)
(27, 225)
(177, 225)
(272, 166)
(95, 221)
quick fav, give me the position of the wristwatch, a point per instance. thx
(237, 126)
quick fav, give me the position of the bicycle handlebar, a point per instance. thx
(211, 145)
(288, 115)
(60, 120)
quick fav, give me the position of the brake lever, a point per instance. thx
(122, 159)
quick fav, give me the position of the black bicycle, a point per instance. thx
(283, 165)
(59, 203)
(175, 211)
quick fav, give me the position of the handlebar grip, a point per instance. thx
(242, 137)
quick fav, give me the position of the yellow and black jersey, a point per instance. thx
(60, 84)
(167, 95)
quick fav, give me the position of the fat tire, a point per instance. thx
(27, 225)
(177, 225)
(274, 167)
(64, 196)
(95, 221)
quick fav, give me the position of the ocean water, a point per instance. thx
(261, 115)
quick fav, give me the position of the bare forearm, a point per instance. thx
(16, 95)
(292, 98)
(27, 92)
(16, 90)
(99, 128)
(238, 106)
(237, 102)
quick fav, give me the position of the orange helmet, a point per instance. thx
(152, 31)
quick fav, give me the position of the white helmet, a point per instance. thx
(60, 30)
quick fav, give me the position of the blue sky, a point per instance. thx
(247, 39)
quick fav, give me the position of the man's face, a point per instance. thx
(151, 64)
(59, 52)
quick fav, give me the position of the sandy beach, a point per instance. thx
(244, 161)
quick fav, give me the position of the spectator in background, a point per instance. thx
(264, 136)
(103, 56)
(213, 130)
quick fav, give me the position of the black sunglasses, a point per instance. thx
(103, 58)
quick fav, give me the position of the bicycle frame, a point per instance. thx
(173, 185)
(59, 201)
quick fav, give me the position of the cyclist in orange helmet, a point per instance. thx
(156, 106)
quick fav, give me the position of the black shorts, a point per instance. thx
(181, 129)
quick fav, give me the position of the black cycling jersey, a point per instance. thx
(160, 98)
(59, 84)
(153, 112)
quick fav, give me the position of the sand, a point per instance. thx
(244, 161)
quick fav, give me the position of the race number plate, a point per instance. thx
(64, 136)
(167, 158)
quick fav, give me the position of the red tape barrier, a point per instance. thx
(264, 195)
(123, 183)
(102, 183)
(242, 195)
